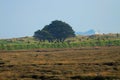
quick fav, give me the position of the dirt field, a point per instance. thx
(60, 64)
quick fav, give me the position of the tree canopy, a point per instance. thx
(57, 30)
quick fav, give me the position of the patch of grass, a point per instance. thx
(78, 41)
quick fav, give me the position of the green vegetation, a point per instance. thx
(78, 41)
(59, 34)
(56, 31)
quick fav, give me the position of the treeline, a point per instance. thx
(66, 44)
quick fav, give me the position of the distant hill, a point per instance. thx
(87, 33)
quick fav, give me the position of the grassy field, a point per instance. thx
(75, 42)
(85, 63)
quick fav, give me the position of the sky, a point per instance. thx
(19, 18)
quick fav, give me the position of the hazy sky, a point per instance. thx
(23, 17)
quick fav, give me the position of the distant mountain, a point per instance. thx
(89, 32)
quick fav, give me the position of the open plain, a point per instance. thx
(85, 63)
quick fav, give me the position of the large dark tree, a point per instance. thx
(57, 30)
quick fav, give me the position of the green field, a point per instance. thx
(78, 41)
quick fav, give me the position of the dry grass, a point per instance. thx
(60, 64)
